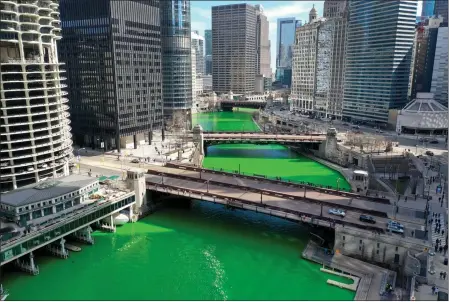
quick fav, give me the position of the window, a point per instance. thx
(360, 241)
(344, 237)
(377, 252)
(378, 245)
(397, 248)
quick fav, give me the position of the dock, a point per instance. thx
(372, 278)
(352, 287)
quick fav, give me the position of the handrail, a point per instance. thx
(332, 221)
(272, 193)
(280, 182)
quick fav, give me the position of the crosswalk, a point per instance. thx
(435, 236)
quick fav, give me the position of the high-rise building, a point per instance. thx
(263, 60)
(176, 59)
(440, 65)
(377, 70)
(334, 8)
(198, 44)
(319, 64)
(113, 54)
(428, 7)
(423, 57)
(284, 49)
(441, 7)
(34, 129)
(208, 56)
(208, 41)
(234, 48)
(330, 67)
(304, 64)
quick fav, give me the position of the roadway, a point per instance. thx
(262, 136)
(225, 185)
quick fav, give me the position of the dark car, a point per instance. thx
(445, 261)
(434, 142)
(430, 153)
(366, 218)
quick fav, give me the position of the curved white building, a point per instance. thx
(423, 115)
(34, 128)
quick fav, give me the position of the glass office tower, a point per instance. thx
(428, 7)
(176, 60)
(112, 50)
(380, 39)
(284, 49)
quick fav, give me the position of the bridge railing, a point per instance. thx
(231, 200)
(263, 133)
(277, 180)
(272, 193)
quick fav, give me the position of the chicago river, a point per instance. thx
(204, 252)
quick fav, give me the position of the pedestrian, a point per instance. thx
(405, 199)
(433, 290)
(445, 248)
(442, 232)
(441, 275)
(436, 290)
(438, 241)
(444, 275)
(441, 249)
(413, 232)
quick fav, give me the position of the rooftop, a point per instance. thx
(424, 102)
(46, 190)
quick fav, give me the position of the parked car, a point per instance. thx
(337, 212)
(434, 142)
(135, 161)
(30, 169)
(42, 166)
(367, 218)
(429, 153)
(4, 164)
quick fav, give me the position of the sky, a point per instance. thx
(201, 15)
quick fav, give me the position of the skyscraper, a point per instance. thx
(234, 48)
(208, 41)
(208, 56)
(333, 8)
(428, 7)
(176, 59)
(35, 134)
(284, 49)
(440, 64)
(377, 70)
(441, 7)
(423, 56)
(263, 60)
(198, 45)
(113, 55)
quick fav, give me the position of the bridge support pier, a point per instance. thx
(30, 267)
(59, 251)
(84, 235)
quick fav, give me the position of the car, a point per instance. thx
(4, 164)
(367, 218)
(42, 166)
(395, 223)
(429, 153)
(135, 161)
(337, 212)
(445, 261)
(345, 124)
(30, 169)
(395, 227)
(434, 142)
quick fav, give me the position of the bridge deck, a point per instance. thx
(262, 136)
(252, 190)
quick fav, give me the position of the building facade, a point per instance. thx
(440, 65)
(198, 44)
(34, 130)
(176, 58)
(234, 48)
(441, 8)
(423, 56)
(208, 51)
(377, 69)
(263, 60)
(113, 55)
(334, 9)
(428, 7)
(304, 65)
(284, 49)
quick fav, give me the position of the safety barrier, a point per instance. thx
(272, 193)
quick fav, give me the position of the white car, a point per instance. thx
(42, 166)
(29, 169)
(337, 212)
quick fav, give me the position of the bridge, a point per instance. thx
(296, 202)
(263, 137)
(229, 104)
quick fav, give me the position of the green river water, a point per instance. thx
(205, 252)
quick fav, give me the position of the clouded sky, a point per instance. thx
(201, 15)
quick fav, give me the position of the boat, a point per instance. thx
(121, 219)
(72, 247)
(3, 293)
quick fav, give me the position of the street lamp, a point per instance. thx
(338, 183)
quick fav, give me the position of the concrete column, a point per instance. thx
(135, 141)
(150, 137)
(112, 220)
(53, 209)
(62, 243)
(131, 213)
(117, 142)
(32, 265)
